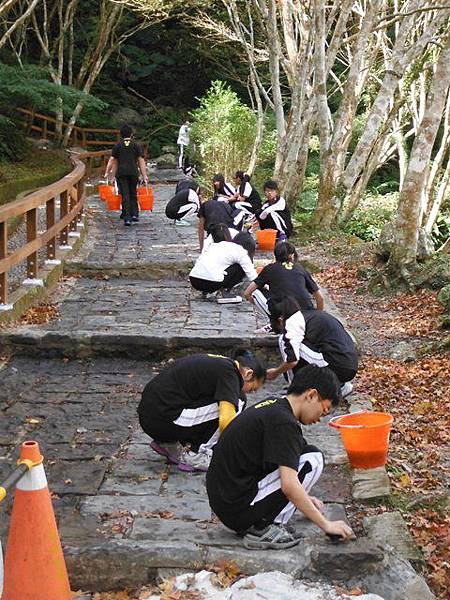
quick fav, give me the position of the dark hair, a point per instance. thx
(244, 177)
(246, 358)
(126, 131)
(285, 308)
(219, 233)
(283, 250)
(322, 379)
(271, 184)
(220, 179)
(245, 239)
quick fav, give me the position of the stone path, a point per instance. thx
(125, 516)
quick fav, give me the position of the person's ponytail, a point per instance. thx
(285, 252)
(246, 358)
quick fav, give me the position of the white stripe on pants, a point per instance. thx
(187, 210)
(209, 445)
(260, 303)
(289, 374)
(272, 483)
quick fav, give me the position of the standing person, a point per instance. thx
(275, 213)
(222, 265)
(183, 205)
(183, 142)
(284, 277)
(127, 159)
(262, 469)
(189, 404)
(312, 337)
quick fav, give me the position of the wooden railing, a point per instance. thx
(70, 190)
(80, 136)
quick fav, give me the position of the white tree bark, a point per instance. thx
(8, 28)
(411, 203)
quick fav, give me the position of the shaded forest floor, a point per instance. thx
(405, 370)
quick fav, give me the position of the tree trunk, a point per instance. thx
(411, 198)
(260, 125)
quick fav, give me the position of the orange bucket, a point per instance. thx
(266, 238)
(104, 191)
(365, 436)
(114, 202)
(145, 198)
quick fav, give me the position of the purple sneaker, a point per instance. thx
(171, 451)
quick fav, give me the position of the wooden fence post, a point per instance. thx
(3, 254)
(63, 210)
(32, 260)
(50, 215)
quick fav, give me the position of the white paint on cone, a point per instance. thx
(33, 480)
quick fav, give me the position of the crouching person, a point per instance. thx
(263, 469)
(187, 406)
(185, 204)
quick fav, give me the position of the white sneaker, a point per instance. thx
(227, 297)
(194, 461)
(346, 389)
(182, 223)
(265, 329)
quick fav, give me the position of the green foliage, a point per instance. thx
(441, 229)
(223, 132)
(160, 128)
(12, 141)
(267, 152)
(31, 86)
(369, 218)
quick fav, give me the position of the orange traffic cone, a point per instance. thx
(34, 561)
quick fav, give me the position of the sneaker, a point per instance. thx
(194, 461)
(127, 222)
(183, 223)
(209, 295)
(228, 297)
(171, 451)
(272, 537)
(135, 219)
(293, 532)
(265, 329)
(346, 389)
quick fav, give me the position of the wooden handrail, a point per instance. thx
(78, 133)
(70, 191)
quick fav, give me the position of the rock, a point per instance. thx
(166, 161)
(370, 483)
(169, 149)
(339, 561)
(263, 586)
(128, 116)
(44, 144)
(395, 580)
(404, 352)
(444, 297)
(391, 528)
(425, 247)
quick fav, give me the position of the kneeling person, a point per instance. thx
(263, 469)
(186, 407)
